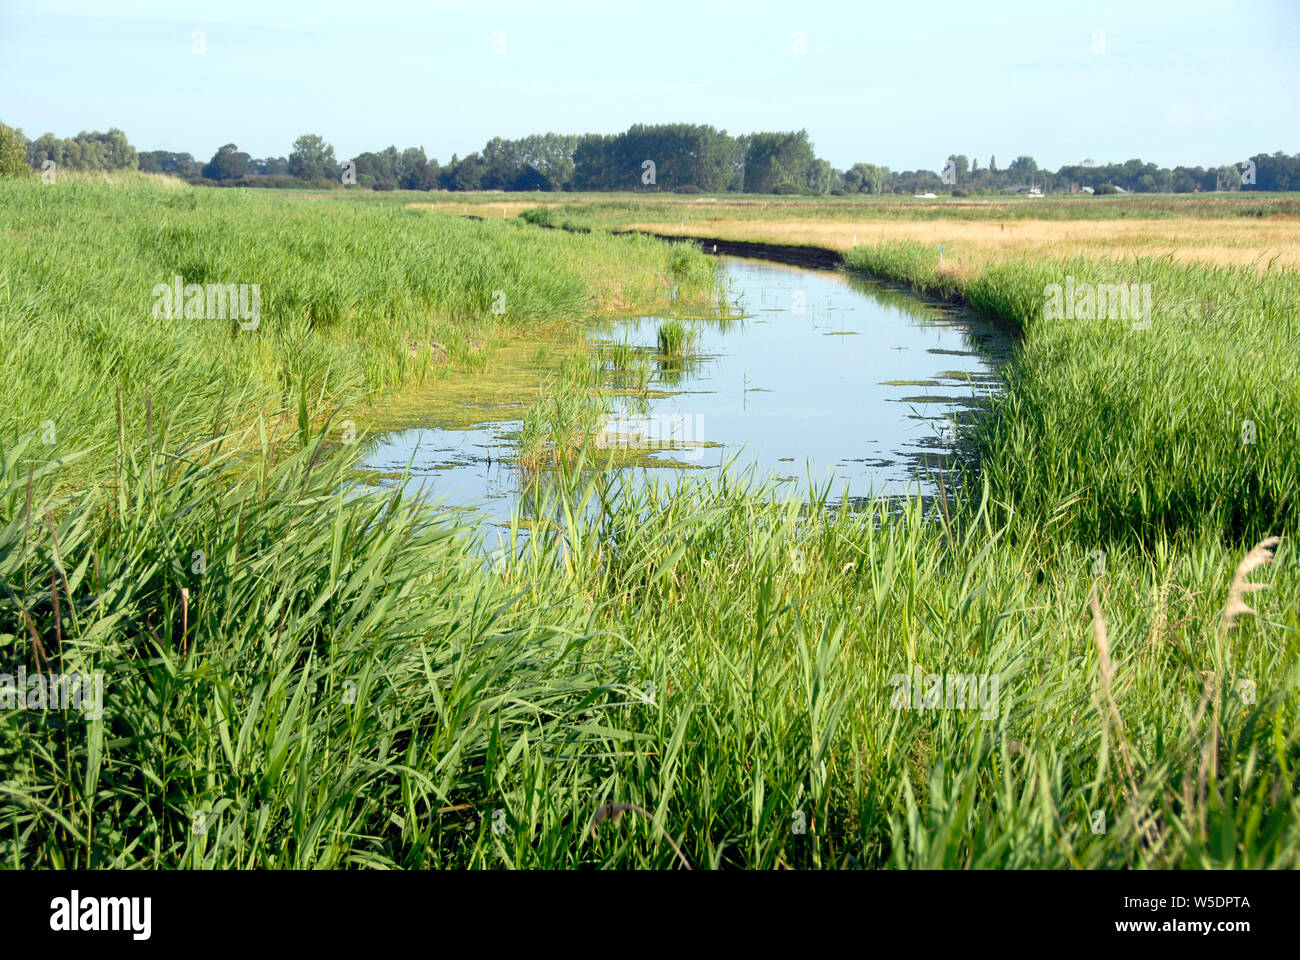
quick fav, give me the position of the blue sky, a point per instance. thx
(901, 84)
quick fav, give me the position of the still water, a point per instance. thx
(816, 379)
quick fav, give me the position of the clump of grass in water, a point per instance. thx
(569, 415)
(676, 339)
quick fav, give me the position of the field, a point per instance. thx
(1226, 230)
(304, 670)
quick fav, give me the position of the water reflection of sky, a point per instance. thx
(825, 377)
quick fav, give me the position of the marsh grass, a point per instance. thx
(1120, 433)
(676, 339)
(347, 685)
(621, 356)
(638, 376)
(567, 415)
(304, 671)
(357, 300)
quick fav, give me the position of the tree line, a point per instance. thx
(676, 157)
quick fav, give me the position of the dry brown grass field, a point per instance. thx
(1220, 242)
(974, 243)
(1237, 229)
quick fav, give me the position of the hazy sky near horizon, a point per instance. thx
(1194, 82)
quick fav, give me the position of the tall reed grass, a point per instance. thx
(302, 671)
(344, 683)
(1115, 432)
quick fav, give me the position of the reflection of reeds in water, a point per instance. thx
(620, 356)
(638, 376)
(671, 371)
(629, 368)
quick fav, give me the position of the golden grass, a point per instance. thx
(1261, 554)
(505, 209)
(967, 243)
(117, 178)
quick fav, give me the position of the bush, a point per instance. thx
(1105, 190)
(13, 153)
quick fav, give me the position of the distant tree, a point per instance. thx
(865, 178)
(270, 166)
(1278, 172)
(550, 155)
(120, 155)
(593, 163)
(86, 151)
(778, 160)
(404, 164)
(819, 177)
(1186, 180)
(739, 148)
(445, 176)
(13, 152)
(468, 173)
(423, 176)
(1229, 179)
(312, 158)
(150, 161)
(165, 161)
(501, 163)
(371, 167)
(227, 163)
(530, 178)
(45, 147)
(692, 158)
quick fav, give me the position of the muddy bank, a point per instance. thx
(814, 257)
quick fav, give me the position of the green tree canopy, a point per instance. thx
(312, 158)
(778, 162)
(13, 152)
(227, 164)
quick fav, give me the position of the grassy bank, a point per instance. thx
(302, 671)
(1119, 433)
(355, 300)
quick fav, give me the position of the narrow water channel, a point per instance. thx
(816, 378)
